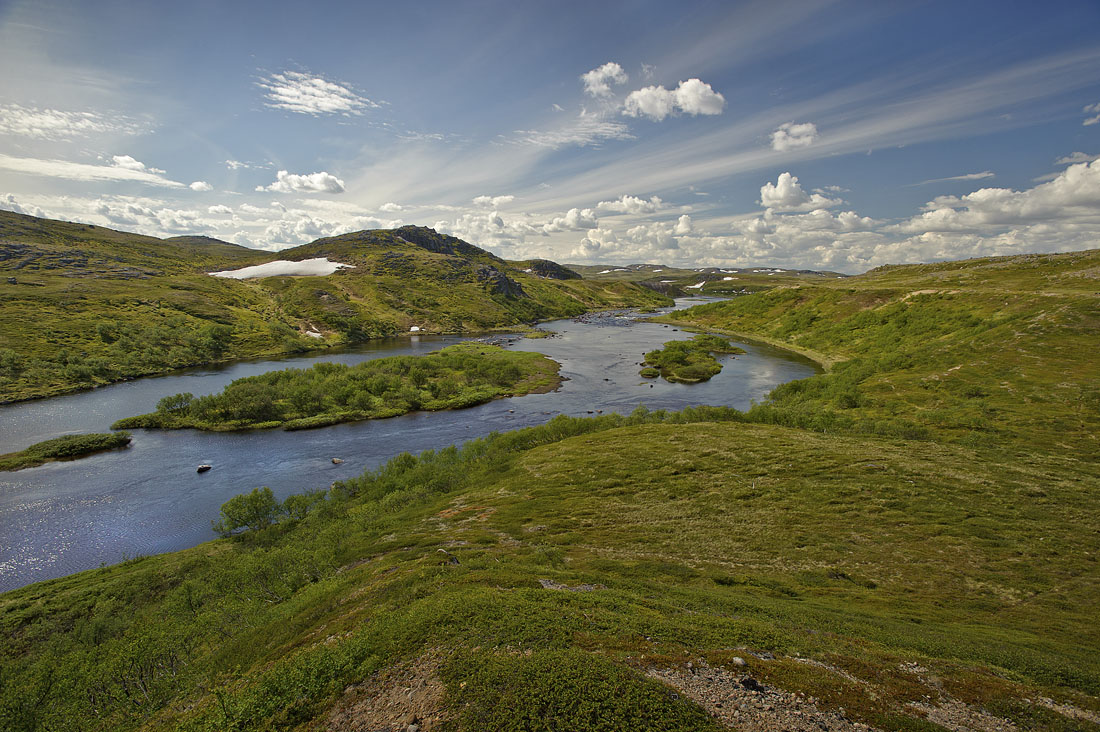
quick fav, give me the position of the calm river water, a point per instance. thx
(61, 518)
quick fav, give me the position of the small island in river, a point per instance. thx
(688, 362)
(461, 375)
(68, 447)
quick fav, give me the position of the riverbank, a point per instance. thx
(825, 361)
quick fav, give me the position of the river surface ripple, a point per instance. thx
(65, 517)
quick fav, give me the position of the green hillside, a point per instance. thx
(993, 352)
(81, 305)
(907, 541)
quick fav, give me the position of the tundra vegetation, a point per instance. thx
(688, 362)
(457, 376)
(82, 306)
(907, 539)
(68, 447)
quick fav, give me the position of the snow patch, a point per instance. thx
(307, 267)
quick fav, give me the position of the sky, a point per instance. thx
(818, 134)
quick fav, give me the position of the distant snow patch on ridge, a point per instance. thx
(307, 267)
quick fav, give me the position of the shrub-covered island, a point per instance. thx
(458, 376)
(67, 447)
(688, 362)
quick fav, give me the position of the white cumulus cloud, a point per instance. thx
(126, 162)
(786, 194)
(692, 97)
(575, 219)
(219, 209)
(598, 81)
(8, 203)
(320, 182)
(492, 201)
(631, 205)
(311, 94)
(792, 135)
(201, 186)
(683, 225)
(1073, 197)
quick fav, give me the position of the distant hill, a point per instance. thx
(82, 305)
(720, 281)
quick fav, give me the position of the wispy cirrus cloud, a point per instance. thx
(1076, 157)
(966, 176)
(1094, 110)
(88, 172)
(584, 130)
(302, 93)
(57, 124)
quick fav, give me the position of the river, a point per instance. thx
(65, 517)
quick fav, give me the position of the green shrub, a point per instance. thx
(255, 510)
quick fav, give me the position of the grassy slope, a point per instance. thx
(994, 352)
(960, 567)
(90, 306)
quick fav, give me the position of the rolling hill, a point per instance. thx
(81, 305)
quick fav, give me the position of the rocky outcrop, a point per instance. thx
(551, 270)
(497, 282)
(433, 241)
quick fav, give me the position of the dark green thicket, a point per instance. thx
(458, 376)
(688, 362)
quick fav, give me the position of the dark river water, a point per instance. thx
(61, 518)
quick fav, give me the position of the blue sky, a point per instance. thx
(827, 135)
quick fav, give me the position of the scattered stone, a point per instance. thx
(738, 661)
(336, 461)
(552, 585)
(726, 696)
(752, 684)
(404, 698)
(450, 558)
